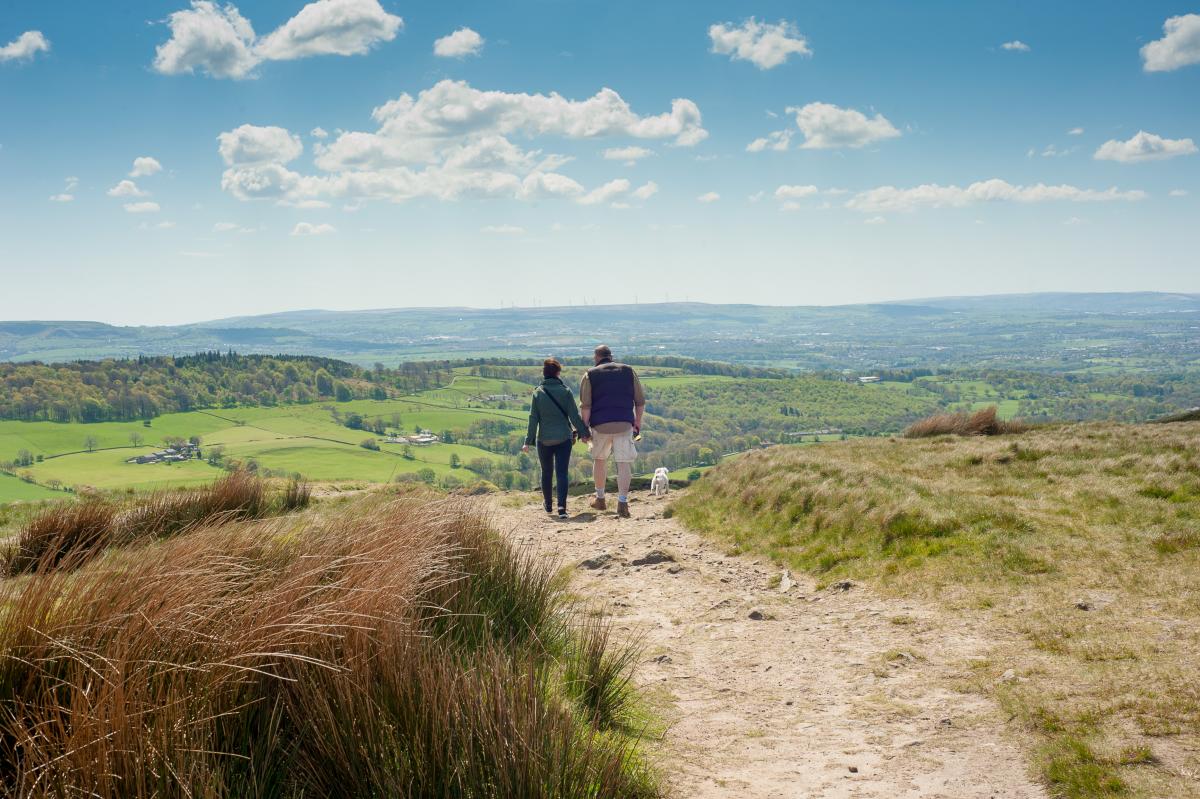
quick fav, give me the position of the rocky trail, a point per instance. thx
(772, 688)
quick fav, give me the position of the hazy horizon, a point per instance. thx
(396, 309)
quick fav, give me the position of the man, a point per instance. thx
(611, 402)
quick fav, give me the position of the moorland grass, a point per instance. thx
(66, 535)
(388, 647)
(1077, 545)
(983, 422)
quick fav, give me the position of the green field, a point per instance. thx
(107, 469)
(14, 490)
(673, 381)
(303, 439)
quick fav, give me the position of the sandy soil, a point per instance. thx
(833, 693)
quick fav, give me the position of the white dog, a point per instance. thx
(661, 483)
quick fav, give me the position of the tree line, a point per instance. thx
(120, 390)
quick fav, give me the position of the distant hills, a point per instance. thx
(1060, 330)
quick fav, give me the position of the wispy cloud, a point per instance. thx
(309, 229)
(932, 195)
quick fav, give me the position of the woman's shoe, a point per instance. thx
(549, 509)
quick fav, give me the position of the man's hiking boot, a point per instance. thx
(562, 514)
(598, 503)
(622, 509)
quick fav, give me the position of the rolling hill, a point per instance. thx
(1044, 331)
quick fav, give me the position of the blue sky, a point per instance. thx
(783, 153)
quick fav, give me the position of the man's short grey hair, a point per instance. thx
(604, 351)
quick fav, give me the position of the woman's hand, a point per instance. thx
(525, 448)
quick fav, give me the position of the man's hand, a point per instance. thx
(525, 448)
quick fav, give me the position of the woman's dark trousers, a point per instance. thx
(554, 459)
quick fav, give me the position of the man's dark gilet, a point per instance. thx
(612, 393)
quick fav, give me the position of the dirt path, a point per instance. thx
(836, 693)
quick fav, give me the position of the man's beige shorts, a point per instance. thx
(617, 446)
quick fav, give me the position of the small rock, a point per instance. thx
(601, 561)
(758, 614)
(1083, 604)
(788, 703)
(841, 585)
(674, 568)
(663, 659)
(853, 769)
(786, 582)
(652, 557)
(1009, 675)
(946, 723)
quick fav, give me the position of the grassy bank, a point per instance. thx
(393, 646)
(1080, 545)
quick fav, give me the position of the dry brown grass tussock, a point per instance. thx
(983, 422)
(399, 650)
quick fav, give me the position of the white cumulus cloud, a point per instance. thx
(142, 208)
(1178, 192)
(220, 42)
(1179, 46)
(217, 40)
(144, 166)
(251, 144)
(503, 230)
(932, 195)
(330, 27)
(309, 229)
(1075, 132)
(763, 44)
(25, 47)
(708, 197)
(319, 133)
(1144, 147)
(449, 141)
(460, 44)
(825, 126)
(62, 198)
(126, 188)
(1016, 46)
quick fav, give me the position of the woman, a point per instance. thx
(552, 415)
